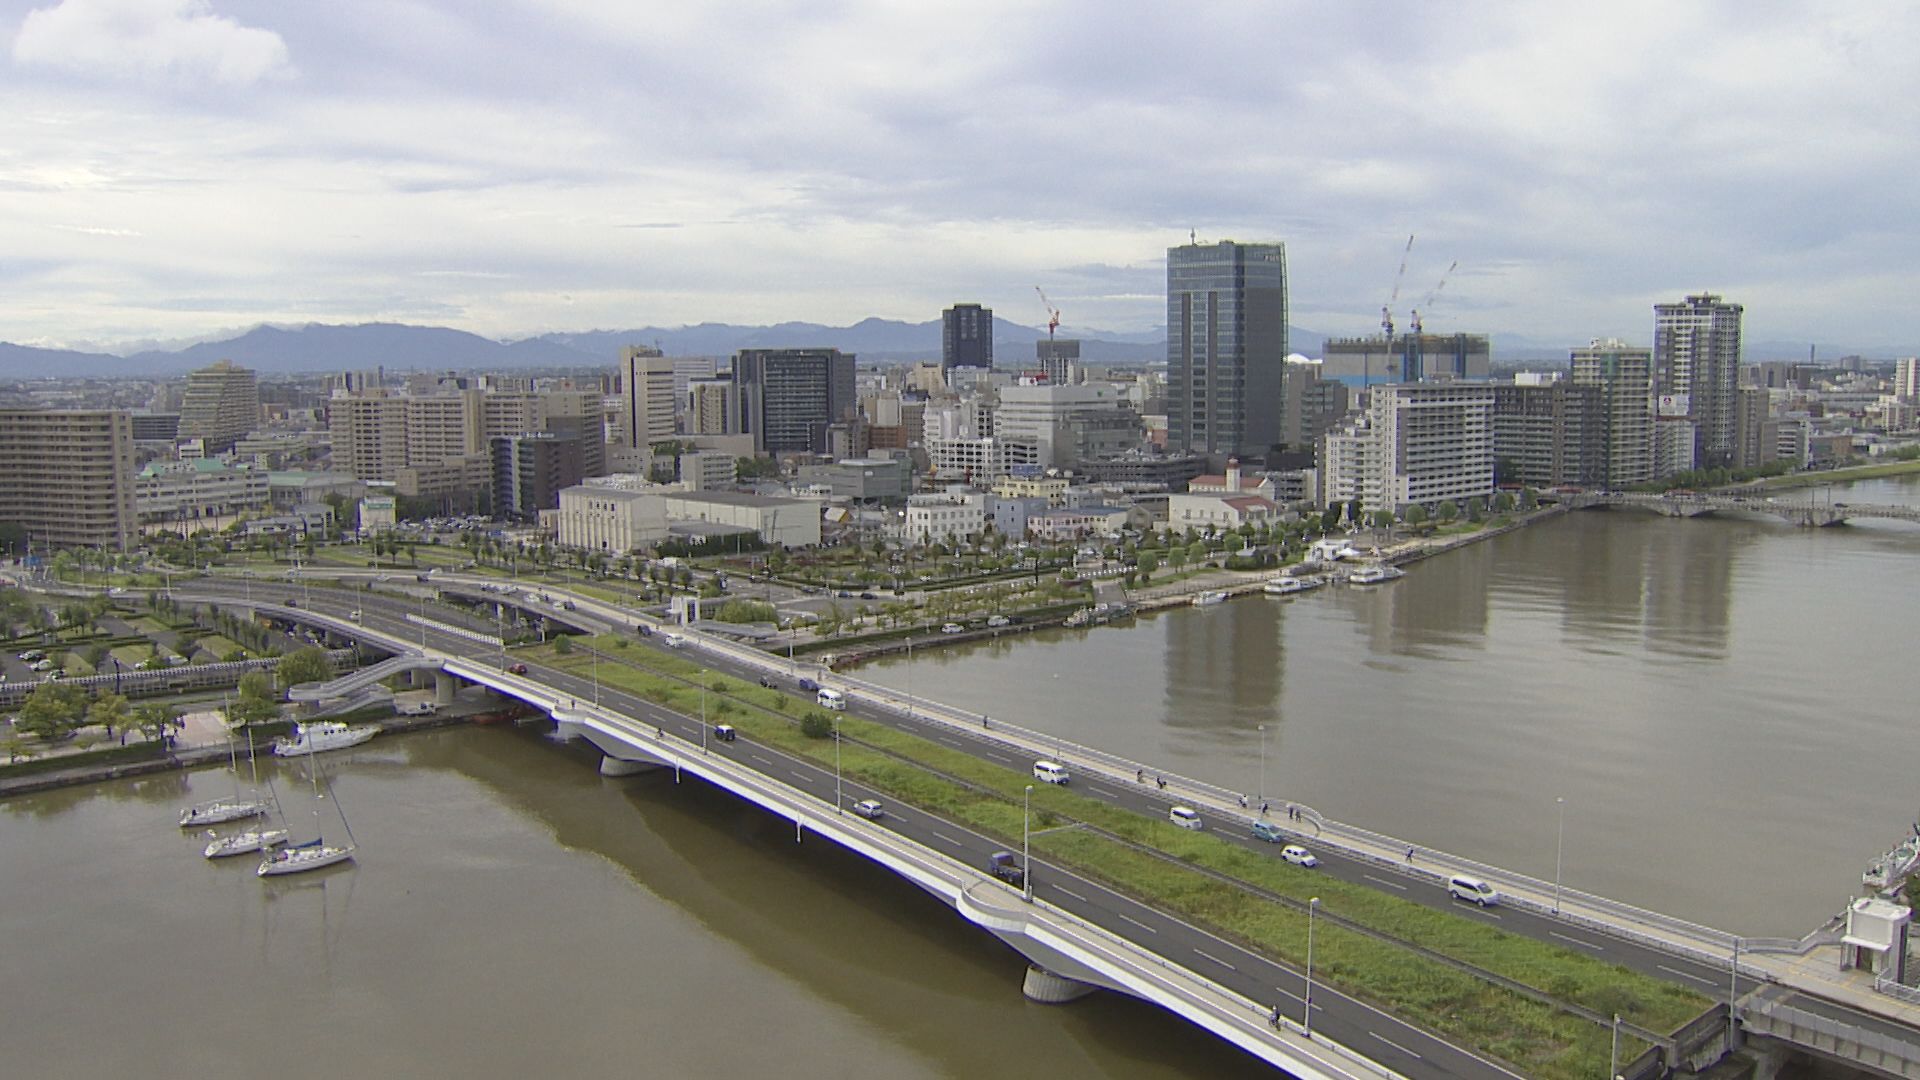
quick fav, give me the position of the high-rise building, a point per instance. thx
(1370, 361)
(1906, 379)
(66, 477)
(1549, 434)
(1423, 443)
(222, 403)
(786, 398)
(1624, 375)
(966, 337)
(1309, 405)
(529, 471)
(710, 407)
(1226, 346)
(1059, 358)
(647, 377)
(1696, 354)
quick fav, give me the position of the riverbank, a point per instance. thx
(1836, 476)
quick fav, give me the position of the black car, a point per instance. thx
(809, 684)
(868, 596)
(767, 681)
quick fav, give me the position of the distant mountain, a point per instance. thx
(317, 347)
(26, 362)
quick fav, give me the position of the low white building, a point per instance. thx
(1222, 502)
(181, 493)
(943, 518)
(620, 519)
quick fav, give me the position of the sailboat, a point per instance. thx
(226, 808)
(315, 853)
(251, 840)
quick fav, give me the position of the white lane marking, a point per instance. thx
(1384, 881)
(938, 835)
(1479, 909)
(1686, 975)
(1069, 892)
(999, 757)
(1145, 927)
(798, 775)
(1397, 1046)
(1103, 791)
(1215, 959)
(1576, 941)
(761, 760)
(949, 742)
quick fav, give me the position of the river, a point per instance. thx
(1721, 703)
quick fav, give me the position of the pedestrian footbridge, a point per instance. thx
(1697, 504)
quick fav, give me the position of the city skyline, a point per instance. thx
(183, 169)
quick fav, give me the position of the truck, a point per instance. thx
(418, 708)
(1005, 865)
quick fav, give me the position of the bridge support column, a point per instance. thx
(1769, 1057)
(1047, 988)
(443, 687)
(613, 766)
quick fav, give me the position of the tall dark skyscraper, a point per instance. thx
(1226, 346)
(1696, 369)
(966, 337)
(786, 398)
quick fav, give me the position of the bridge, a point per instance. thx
(1747, 500)
(1071, 931)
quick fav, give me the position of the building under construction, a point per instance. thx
(1406, 358)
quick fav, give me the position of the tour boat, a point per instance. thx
(321, 736)
(1207, 598)
(1288, 586)
(1375, 574)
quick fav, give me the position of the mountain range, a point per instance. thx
(317, 347)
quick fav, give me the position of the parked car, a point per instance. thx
(419, 708)
(953, 628)
(869, 809)
(41, 665)
(33, 654)
(997, 621)
(1299, 856)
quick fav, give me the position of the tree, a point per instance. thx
(110, 711)
(304, 666)
(1448, 510)
(52, 711)
(256, 684)
(1417, 514)
(563, 645)
(1502, 502)
(816, 725)
(154, 718)
(1382, 519)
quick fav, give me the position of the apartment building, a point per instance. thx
(66, 477)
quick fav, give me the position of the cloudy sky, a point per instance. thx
(175, 168)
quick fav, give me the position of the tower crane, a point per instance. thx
(1386, 311)
(1053, 313)
(1432, 296)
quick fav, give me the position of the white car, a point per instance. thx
(1185, 817)
(869, 809)
(953, 628)
(998, 621)
(1299, 856)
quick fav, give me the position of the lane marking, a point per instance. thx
(949, 742)
(1143, 926)
(1384, 881)
(938, 835)
(798, 775)
(1397, 1046)
(1576, 941)
(1069, 892)
(1000, 757)
(1215, 959)
(1478, 910)
(1103, 791)
(1688, 975)
(761, 760)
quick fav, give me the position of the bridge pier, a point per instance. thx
(1045, 987)
(613, 766)
(443, 687)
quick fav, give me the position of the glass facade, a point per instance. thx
(1226, 346)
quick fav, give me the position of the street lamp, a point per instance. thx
(1306, 1013)
(595, 655)
(1263, 764)
(839, 801)
(1026, 846)
(1559, 849)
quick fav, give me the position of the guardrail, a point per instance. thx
(1800, 1027)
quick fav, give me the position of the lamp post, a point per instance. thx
(909, 677)
(839, 802)
(1263, 763)
(1306, 1012)
(1613, 1056)
(594, 654)
(1026, 846)
(1559, 849)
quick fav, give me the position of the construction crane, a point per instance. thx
(1053, 313)
(1432, 296)
(1386, 311)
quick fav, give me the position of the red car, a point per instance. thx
(518, 669)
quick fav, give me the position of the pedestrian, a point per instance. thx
(1409, 854)
(1243, 802)
(1263, 808)
(1139, 776)
(1161, 782)
(1273, 1016)
(983, 721)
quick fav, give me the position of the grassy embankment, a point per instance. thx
(1173, 873)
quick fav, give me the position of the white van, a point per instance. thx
(674, 641)
(1185, 817)
(1051, 772)
(832, 699)
(1462, 887)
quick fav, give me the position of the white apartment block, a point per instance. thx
(1414, 443)
(1906, 378)
(647, 378)
(943, 518)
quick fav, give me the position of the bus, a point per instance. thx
(832, 699)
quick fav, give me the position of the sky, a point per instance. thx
(177, 169)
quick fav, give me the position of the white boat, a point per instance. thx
(215, 811)
(244, 843)
(1375, 574)
(299, 858)
(321, 736)
(1207, 598)
(1288, 586)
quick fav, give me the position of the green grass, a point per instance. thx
(217, 645)
(1542, 1040)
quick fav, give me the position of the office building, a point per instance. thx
(1054, 426)
(710, 405)
(786, 398)
(66, 477)
(966, 337)
(1413, 443)
(1059, 359)
(1696, 358)
(1906, 379)
(1309, 405)
(1226, 346)
(529, 471)
(221, 403)
(602, 517)
(651, 404)
(204, 493)
(1624, 375)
